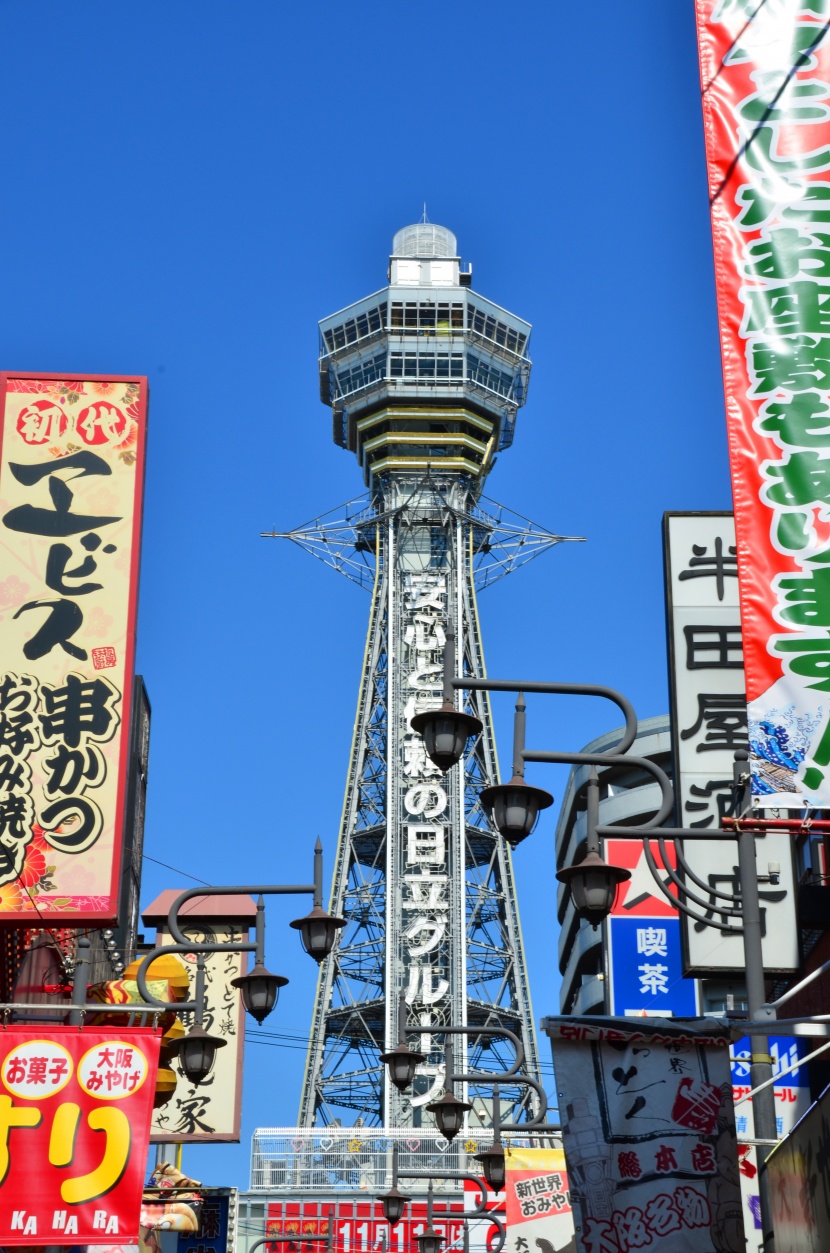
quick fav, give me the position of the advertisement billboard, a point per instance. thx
(649, 1133)
(765, 77)
(75, 1107)
(360, 1227)
(644, 952)
(799, 1183)
(538, 1203)
(71, 474)
(709, 723)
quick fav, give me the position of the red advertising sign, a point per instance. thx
(640, 896)
(765, 71)
(71, 473)
(359, 1226)
(75, 1109)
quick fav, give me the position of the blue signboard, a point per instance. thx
(646, 968)
(785, 1052)
(213, 1238)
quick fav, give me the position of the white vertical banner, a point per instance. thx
(709, 723)
(649, 1134)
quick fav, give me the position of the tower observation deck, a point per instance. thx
(424, 379)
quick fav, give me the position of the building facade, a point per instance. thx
(628, 796)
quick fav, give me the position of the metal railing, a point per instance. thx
(325, 1159)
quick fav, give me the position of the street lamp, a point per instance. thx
(259, 987)
(593, 883)
(394, 1204)
(593, 886)
(479, 1210)
(449, 1114)
(448, 1110)
(402, 1061)
(446, 730)
(260, 991)
(493, 1163)
(197, 1053)
(429, 1241)
(514, 807)
(318, 930)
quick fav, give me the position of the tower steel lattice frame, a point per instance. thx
(424, 379)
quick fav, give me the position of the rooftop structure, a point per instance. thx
(424, 372)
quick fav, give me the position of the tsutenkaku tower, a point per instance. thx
(424, 379)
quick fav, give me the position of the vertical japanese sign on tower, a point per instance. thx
(425, 927)
(765, 71)
(71, 476)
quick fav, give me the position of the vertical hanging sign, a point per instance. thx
(765, 71)
(649, 1134)
(426, 828)
(537, 1201)
(709, 723)
(71, 474)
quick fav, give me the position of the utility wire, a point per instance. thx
(175, 869)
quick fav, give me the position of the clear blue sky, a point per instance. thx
(187, 188)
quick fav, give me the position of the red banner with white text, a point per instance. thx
(765, 75)
(75, 1110)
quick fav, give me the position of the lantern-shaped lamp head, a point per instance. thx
(493, 1166)
(445, 731)
(402, 1063)
(197, 1053)
(260, 990)
(593, 884)
(318, 932)
(515, 807)
(429, 1241)
(449, 1114)
(394, 1205)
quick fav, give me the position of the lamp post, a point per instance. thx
(448, 1110)
(394, 1203)
(259, 988)
(493, 1163)
(593, 882)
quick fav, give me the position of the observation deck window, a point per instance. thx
(426, 365)
(490, 327)
(432, 319)
(430, 450)
(368, 322)
(361, 374)
(482, 371)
